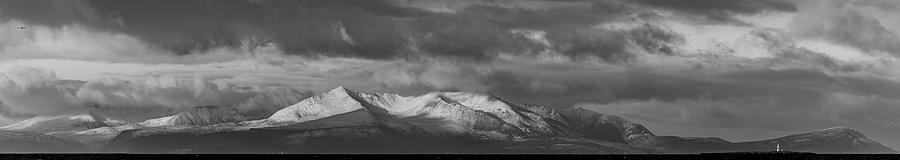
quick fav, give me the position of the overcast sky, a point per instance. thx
(737, 69)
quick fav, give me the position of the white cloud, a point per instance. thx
(28, 90)
(68, 41)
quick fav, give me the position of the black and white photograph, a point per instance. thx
(794, 78)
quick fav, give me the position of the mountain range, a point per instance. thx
(348, 121)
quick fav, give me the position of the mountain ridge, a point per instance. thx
(436, 122)
(483, 119)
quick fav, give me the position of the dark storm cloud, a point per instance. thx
(187, 26)
(578, 43)
(481, 31)
(299, 26)
(47, 12)
(540, 18)
(475, 39)
(655, 39)
(304, 26)
(366, 29)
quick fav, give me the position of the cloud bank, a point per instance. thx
(34, 91)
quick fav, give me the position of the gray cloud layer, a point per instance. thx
(366, 29)
(843, 22)
(390, 30)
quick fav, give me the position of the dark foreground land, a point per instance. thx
(453, 156)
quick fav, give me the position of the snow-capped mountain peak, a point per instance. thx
(62, 122)
(460, 113)
(197, 116)
(333, 102)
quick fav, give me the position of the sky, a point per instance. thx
(737, 69)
